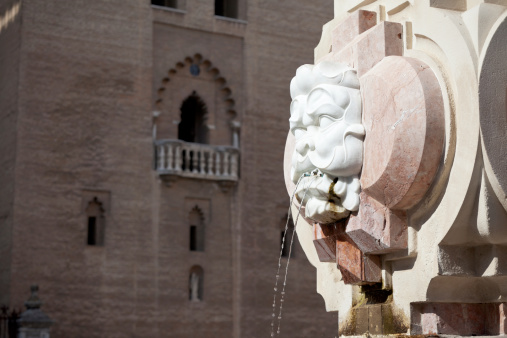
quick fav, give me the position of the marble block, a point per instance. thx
(357, 23)
(463, 319)
(370, 47)
(376, 229)
(334, 245)
(404, 121)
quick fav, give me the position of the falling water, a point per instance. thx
(288, 259)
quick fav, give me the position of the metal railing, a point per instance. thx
(8, 322)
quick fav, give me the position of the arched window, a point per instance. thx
(95, 223)
(227, 8)
(196, 221)
(195, 284)
(192, 126)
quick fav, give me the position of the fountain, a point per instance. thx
(396, 159)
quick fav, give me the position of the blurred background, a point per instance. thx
(141, 150)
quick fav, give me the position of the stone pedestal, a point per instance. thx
(34, 323)
(26, 332)
(433, 205)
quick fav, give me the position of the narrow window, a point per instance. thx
(193, 238)
(92, 230)
(165, 3)
(195, 284)
(192, 126)
(196, 222)
(227, 8)
(95, 223)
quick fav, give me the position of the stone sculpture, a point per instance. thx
(425, 250)
(326, 122)
(194, 287)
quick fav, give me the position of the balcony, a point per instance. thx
(176, 158)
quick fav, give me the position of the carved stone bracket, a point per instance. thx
(334, 245)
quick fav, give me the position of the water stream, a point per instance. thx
(282, 293)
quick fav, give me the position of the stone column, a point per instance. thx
(33, 323)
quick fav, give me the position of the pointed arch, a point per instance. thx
(199, 65)
(199, 75)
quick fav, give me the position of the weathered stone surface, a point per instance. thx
(334, 245)
(377, 229)
(375, 319)
(356, 267)
(464, 319)
(325, 237)
(378, 318)
(362, 320)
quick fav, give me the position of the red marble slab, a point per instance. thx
(347, 30)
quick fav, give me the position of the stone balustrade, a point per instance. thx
(176, 157)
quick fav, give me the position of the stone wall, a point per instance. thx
(10, 44)
(83, 130)
(91, 76)
(277, 32)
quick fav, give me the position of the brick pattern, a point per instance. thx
(80, 85)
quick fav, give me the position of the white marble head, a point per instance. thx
(326, 122)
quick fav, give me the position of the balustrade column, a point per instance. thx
(185, 157)
(217, 163)
(161, 157)
(195, 161)
(202, 154)
(177, 160)
(226, 164)
(210, 163)
(170, 157)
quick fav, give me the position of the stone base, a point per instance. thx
(463, 319)
(26, 332)
(375, 319)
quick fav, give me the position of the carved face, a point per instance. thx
(326, 122)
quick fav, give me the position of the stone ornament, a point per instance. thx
(430, 227)
(404, 123)
(326, 122)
